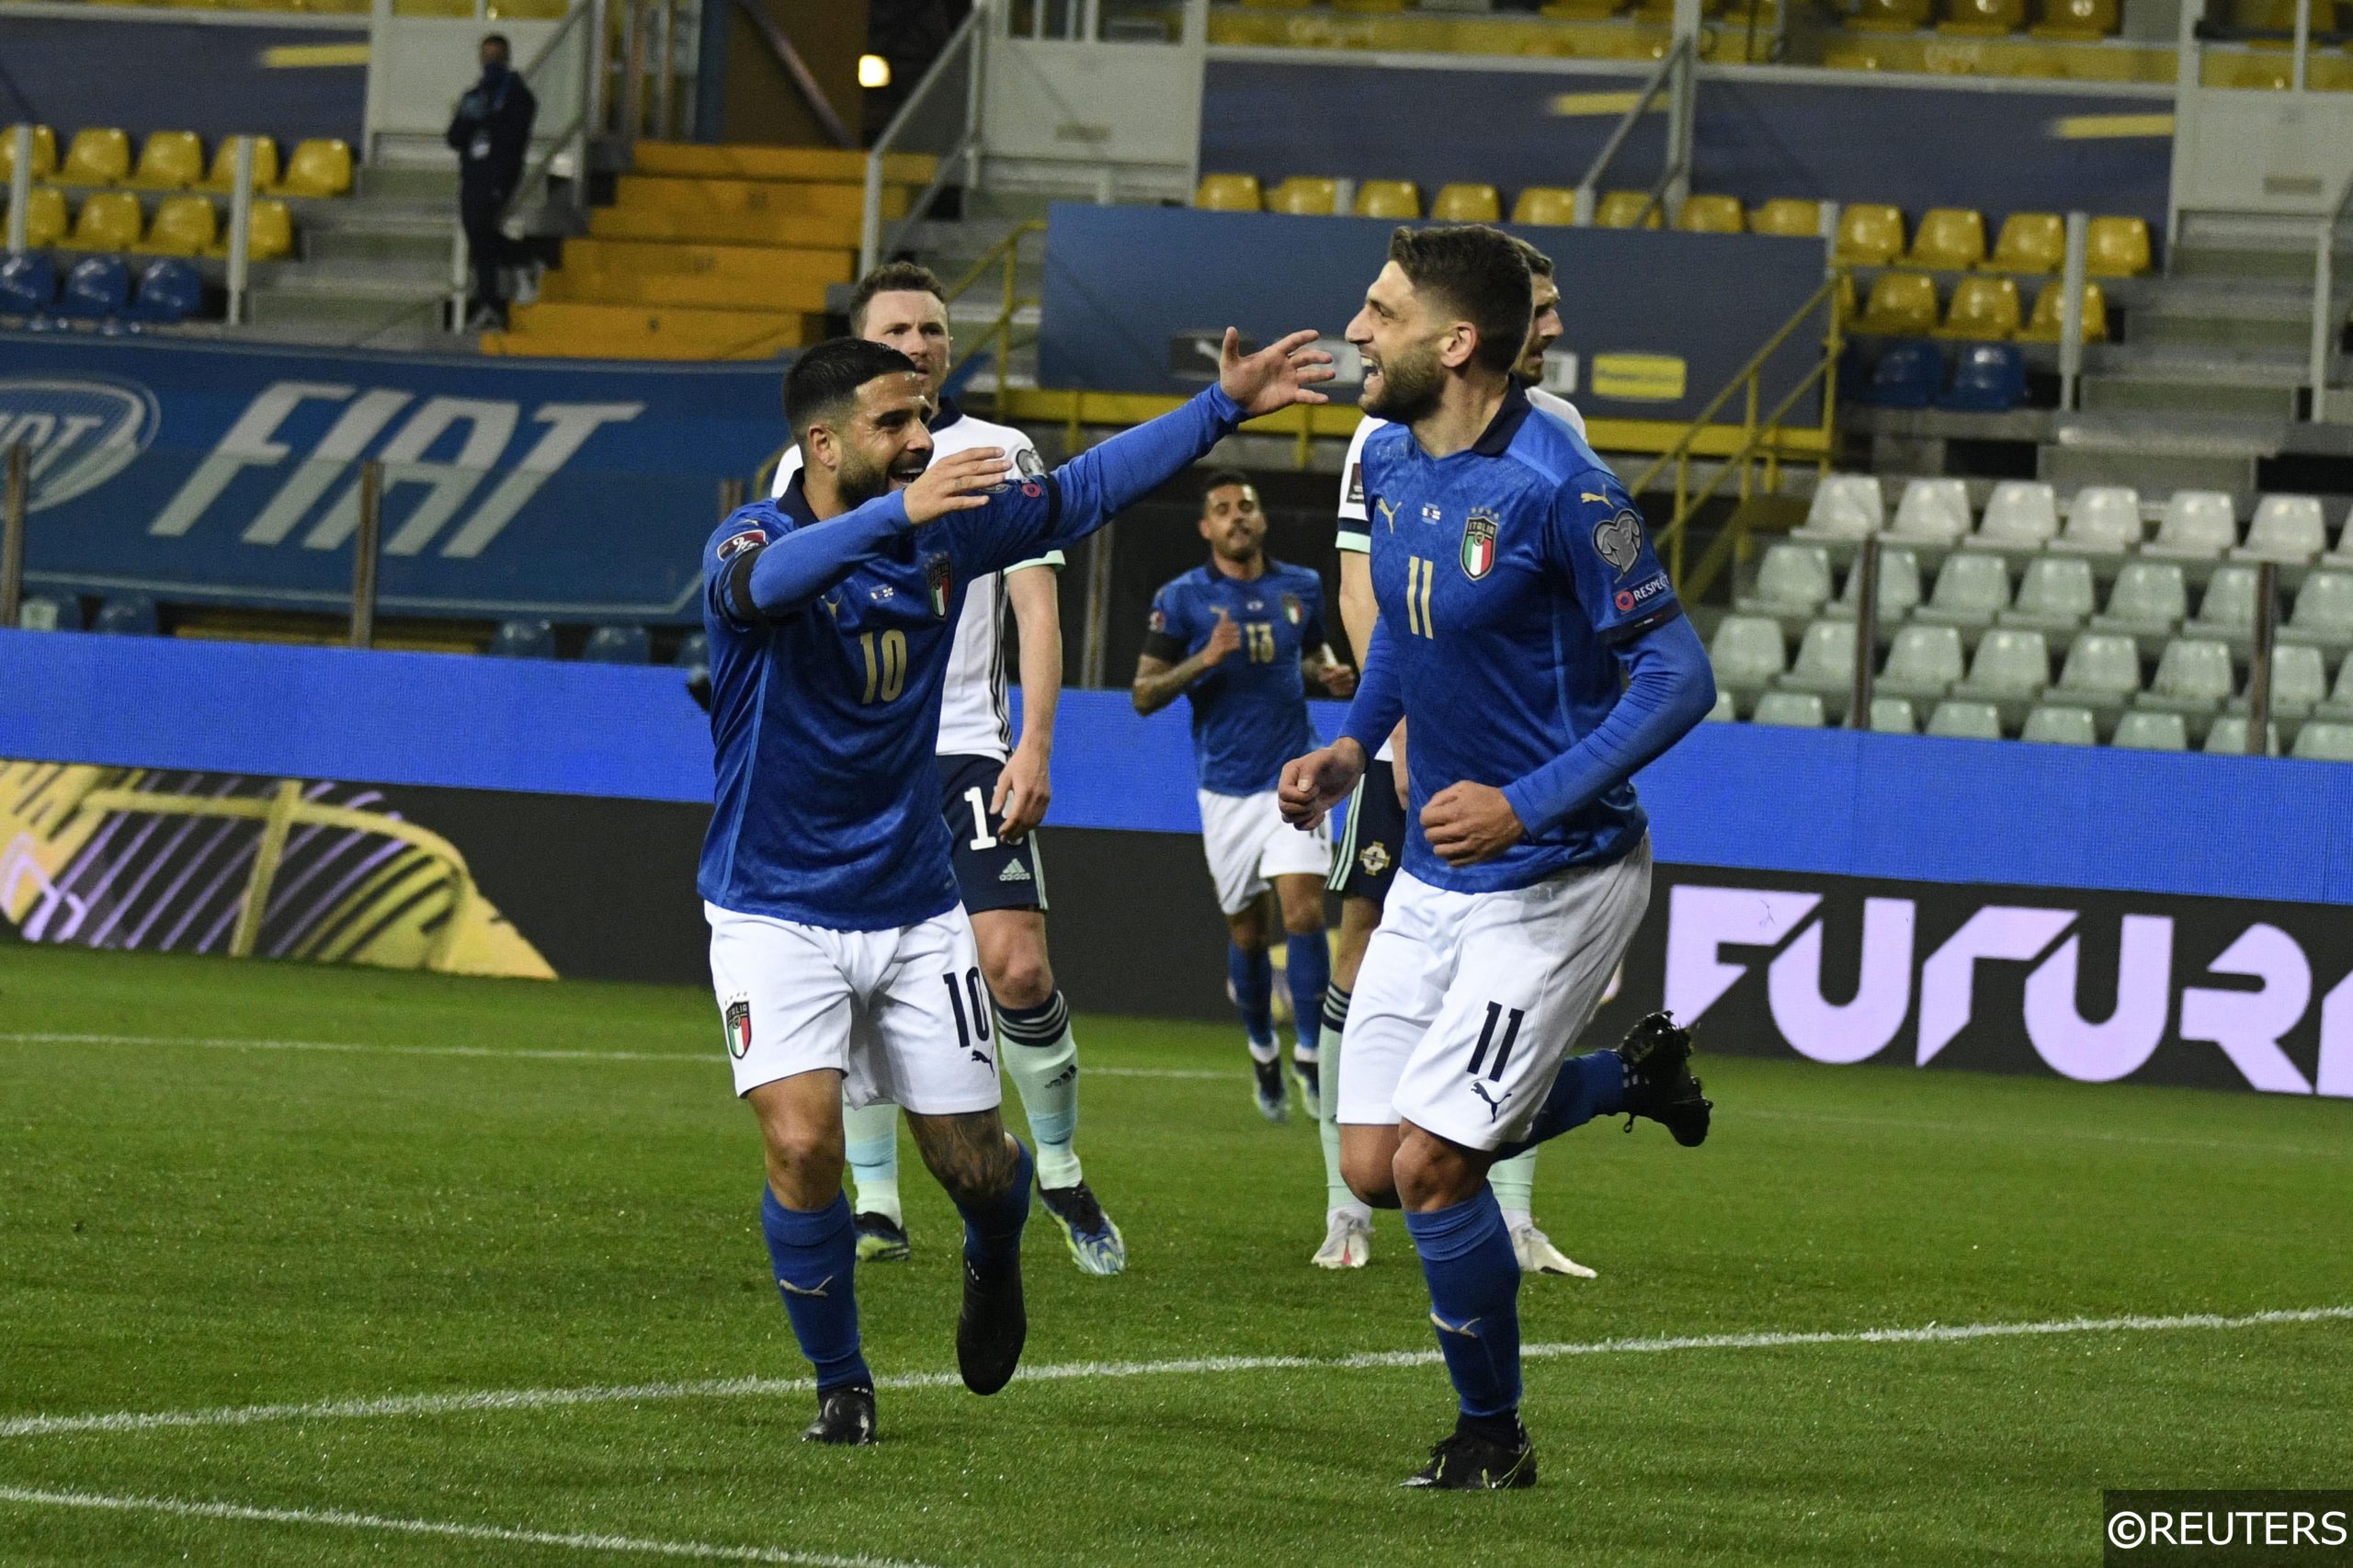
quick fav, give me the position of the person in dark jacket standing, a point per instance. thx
(492, 132)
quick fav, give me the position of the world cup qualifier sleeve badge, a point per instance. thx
(738, 1023)
(1478, 543)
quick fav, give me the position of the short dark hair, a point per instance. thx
(498, 39)
(891, 278)
(825, 379)
(1539, 263)
(1221, 479)
(1479, 273)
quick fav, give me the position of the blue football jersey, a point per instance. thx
(827, 809)
(1250, 712)
(1506, 573)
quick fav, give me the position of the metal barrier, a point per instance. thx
(2327, 319)
(959, 62)
(1007, 252)
(12, 533)
(1763, 438)
(1668, 192)
(20, 190)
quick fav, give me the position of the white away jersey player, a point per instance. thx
(975, 717)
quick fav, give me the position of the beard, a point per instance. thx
(1411, 385)
(859, 481)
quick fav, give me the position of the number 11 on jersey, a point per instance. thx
(1419, 576)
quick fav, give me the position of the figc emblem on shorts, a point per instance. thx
(1478, 543)
(739, 1026)
(938, 575)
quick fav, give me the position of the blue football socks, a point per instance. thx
(1589, 1085)
(1474, 1300)
(1307, 965)
(815, 1256)
(993, 1229)
(1252, 972)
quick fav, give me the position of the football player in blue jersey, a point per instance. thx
(1239, 639)
(1531, 639)
(842, 959)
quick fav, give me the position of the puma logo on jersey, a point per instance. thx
(1388, 513)
(1590, 496)
(1494, 1105)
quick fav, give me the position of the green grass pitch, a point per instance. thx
(188, 1227)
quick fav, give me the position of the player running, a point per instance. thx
(1366, 856)
(993, 795)
(1515, 587)
(841, 958)
(1239, 638)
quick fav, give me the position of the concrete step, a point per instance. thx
(746, 162)
(2127, 393)
(376, 247)
(341, 318)
(2068, 469)
(411, 182)
(2277, 230)
(2229, 335)
(374, 279)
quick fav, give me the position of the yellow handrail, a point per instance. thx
(1008, 251)
(1763, 436)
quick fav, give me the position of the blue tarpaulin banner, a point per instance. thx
(1748, 796)
(204, 472)
(1654, 323)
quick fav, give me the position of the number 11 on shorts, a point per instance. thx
(1510, 1023)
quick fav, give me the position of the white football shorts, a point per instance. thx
(903, 1015)
(1468, 1002)
(1248, 842)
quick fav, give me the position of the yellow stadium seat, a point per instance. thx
(1368, 5)
(1949, 238)
(1890, 16)
(224, 164)
(2076, 21)
(109, 220)
(1712, 215)
(270, 234)
(1229, 193)
(44, 153)
(1623, 209)
(1983, 18)
(2030, 242)
(2043, 326)
(1582, 10)
(2279, 15)
(1388, 199)
(184, 225)
(45, 217)
(1902, 304)
(2117, 247)
(168, 160)
(1548, 204)
(1983, 308)
(1468, 204)
(1787, 215)
(1868, 234)
(1310, 196)
(96, 157)
(318, 168)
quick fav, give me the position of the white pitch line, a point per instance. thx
(733, 1388)
(477, 1052)
(341, 1519)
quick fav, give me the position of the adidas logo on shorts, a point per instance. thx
(1015, 871)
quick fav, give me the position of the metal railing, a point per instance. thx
(1005, 254)
(958, 60)
(21, 190)
(2327, 321)
(1763, 438)
(1673, 75)
(12, 531)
